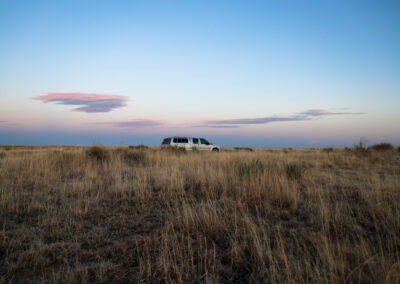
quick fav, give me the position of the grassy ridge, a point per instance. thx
(119, 214)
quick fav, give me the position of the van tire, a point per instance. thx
(215, 150)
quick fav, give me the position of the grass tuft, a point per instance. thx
(250, 168)
(134, 158)
(294, 171)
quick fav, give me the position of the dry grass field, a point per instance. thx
(137, 214)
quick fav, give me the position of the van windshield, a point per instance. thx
(166, 141)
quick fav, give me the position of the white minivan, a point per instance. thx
(189, 144)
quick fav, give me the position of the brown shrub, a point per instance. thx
(381, 147)
(98, 153)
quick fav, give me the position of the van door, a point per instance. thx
(178, 142)
(195, 143)
(204, 145)
(185, 143)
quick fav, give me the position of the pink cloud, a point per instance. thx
(89, 102)
(139, 122)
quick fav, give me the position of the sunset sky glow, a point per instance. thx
(240, 73)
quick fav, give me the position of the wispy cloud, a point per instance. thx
(222, 126)
(215, 126)
(140, 122)
(321, 112)
(260, 120)
(8, 123)
(89, 102)
(301, 116)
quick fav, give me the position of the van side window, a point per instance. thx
(176, 140)
(185, 140)
(195, 141)
(204, 141)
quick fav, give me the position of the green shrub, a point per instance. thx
(381, 147)
(250, 168)
(134, 158)
(98, 153)
(294, 171)
(7, 148)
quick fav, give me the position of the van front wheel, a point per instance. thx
(215, 150)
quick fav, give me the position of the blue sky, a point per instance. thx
(246, 73)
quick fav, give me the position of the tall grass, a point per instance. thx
(145, 215)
